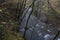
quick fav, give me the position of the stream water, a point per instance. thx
(38, 29)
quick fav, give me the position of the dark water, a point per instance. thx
(38, 29)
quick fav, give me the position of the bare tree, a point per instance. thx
(28, 19)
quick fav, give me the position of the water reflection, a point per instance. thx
(38, 29)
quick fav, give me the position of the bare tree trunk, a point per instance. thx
(28, 20)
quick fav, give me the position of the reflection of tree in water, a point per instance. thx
(48, 33)
(36, 23)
